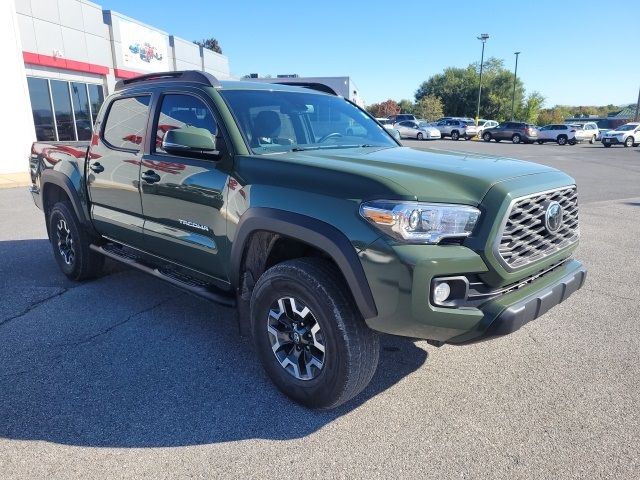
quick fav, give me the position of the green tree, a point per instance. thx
(429, 108)
(209, 44)
(406, 106)
(457, 88)
(384, 109)
(531, 108)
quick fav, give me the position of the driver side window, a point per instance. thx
(181, 111)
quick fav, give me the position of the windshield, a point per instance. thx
(626, 128)
(424, 124)
(276, 122)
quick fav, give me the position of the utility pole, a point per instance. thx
(515, 77)
(483, 38)
(636, 117)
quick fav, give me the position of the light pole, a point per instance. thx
(515, 77)
(483, 38)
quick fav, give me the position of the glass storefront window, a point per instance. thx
(96, 97)
(41, 108)
(64, 110)
(80, 99)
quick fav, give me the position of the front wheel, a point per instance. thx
(309, 335)
(540, 142)
(70, 243)
(419, 136)
(593, 140)
(628, 142)
(607, 145)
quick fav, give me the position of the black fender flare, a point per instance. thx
(314, 232)
(61, 180)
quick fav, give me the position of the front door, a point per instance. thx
(182, 194)
(114, 168)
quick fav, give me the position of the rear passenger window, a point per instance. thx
(182, 111)
(126, 122)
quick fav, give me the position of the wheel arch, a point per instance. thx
(277, 225)
(54, 185)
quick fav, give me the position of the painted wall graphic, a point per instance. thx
(143, 48)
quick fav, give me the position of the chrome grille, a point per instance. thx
(525, 238)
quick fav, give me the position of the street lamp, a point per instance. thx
(515, 76)
(483, 38)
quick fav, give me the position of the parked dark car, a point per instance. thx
(401, 117)
(515, 132)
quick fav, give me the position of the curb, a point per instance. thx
(14, 180)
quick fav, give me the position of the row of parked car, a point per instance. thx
(407, 126)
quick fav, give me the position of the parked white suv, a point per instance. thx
(627, 135)
(482, 124)
(562, 134)
(587, 132)
(457, 128)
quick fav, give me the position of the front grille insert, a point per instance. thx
(525, 238)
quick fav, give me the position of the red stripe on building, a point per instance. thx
(120, 73)
(50, 61)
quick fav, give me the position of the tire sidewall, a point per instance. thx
(59, 211)
(288, 282)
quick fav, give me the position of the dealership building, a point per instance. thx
(65, 56)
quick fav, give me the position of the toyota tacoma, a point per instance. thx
(265, 198)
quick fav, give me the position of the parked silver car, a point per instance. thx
(457, 128)
(418, 130)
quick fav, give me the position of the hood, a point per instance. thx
(399, 172)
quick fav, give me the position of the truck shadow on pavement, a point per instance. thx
(127, 361)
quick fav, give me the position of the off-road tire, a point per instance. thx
(83, 263)
(351, 348)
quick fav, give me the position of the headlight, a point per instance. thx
(417, 222)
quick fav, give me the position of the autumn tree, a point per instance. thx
(384, 109)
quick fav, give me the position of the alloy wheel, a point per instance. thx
(65, 242)
(296, 338)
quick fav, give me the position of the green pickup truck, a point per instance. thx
(301, 211)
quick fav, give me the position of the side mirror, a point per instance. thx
(190, 142)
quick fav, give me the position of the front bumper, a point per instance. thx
(612, 141)
(400, 279)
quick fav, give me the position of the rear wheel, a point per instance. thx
(419, 136)
(486, 137)
(562, 140)
(70, 243)
(309, 335)
(516, 138)
(628, 142)
(455, 135)
(540, 142)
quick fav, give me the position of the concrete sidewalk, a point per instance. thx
(13, 180)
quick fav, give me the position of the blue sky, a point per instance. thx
(573, 52)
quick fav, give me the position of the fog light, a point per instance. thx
(441, 292)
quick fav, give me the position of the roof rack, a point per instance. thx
(183, 76)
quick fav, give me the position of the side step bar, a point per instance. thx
(196, 287)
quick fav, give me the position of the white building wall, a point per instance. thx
(14, 96)
(76, 40)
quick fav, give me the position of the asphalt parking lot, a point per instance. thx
(125, 376)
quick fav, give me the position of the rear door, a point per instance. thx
(114, 168)
(182, 196)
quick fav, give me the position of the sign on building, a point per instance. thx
(142, 48)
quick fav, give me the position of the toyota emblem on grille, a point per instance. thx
(553, 217)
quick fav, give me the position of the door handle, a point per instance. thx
(150, 176)
(96, 167)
